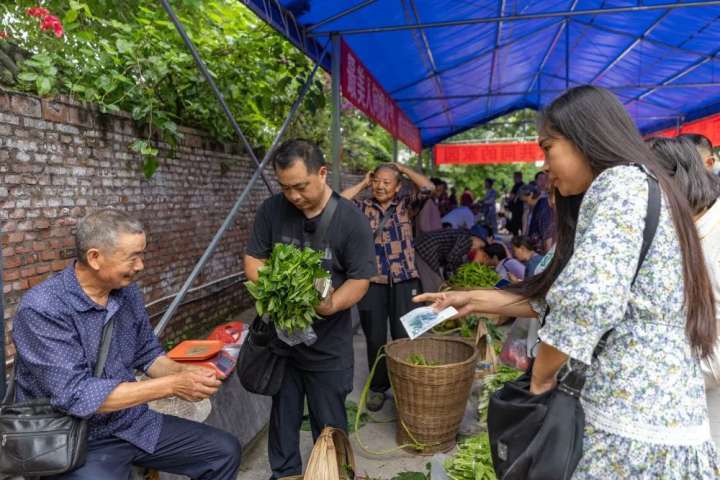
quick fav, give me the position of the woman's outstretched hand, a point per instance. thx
(462, 301)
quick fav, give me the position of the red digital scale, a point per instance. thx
(219, 352)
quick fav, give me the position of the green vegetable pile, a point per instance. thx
(492, 383)
(285, 290)
(419, 359)
(472, 461)
(474, 275)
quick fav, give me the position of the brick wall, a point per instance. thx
(60, 160)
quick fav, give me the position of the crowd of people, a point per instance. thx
(566, 246)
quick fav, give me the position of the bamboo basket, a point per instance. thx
(330, 458)
(430, 399)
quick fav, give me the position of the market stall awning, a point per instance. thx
(710, 127)
(450, 65)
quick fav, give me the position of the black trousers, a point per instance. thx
(325, 392)
(380, 303)
(187, 448)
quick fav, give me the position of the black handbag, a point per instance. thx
(262, 358)
(37, 439)
(261, 362)
(540, 437)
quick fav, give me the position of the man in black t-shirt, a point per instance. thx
(321, 372)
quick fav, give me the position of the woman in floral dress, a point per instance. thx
(644, 399)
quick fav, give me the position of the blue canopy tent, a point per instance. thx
(451, 65)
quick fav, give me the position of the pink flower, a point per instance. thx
(37, 12)
(51, 22)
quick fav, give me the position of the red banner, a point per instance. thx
(487, 153)
(709, 126)
(362, 90)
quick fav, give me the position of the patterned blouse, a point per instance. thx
(394, 247)
(644, 398)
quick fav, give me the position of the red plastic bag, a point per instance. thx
(515, 349)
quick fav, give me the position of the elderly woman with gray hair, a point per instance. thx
(680, 158)
(57, 333)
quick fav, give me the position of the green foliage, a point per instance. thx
(474, 275)
(285, 288)
(128, 56)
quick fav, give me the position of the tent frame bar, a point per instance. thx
(230, 218)
(339, 15)
(202, 67)
(526, 17)
(560, 90)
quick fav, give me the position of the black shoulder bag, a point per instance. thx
(540, 437)
(261, 362)
(38, 439)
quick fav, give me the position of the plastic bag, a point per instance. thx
(307, 336)
(515, 352)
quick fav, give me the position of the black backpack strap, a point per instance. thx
(104, 346)
(652, 219)
(317, 237)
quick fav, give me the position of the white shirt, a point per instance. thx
(708, 227)
(461, 217)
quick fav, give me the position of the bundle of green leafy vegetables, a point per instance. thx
(491, 384)
(472, 461)
(285, 288)
(474, 275)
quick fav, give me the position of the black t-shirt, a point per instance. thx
(350, 254)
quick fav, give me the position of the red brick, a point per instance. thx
(58, 265)
(41, 224)
(40, 246)
(36, 279)
(10, 275)
(43, 268)
(16, 237)
(48, 255)
(25, 105)
(27, 272)
(12, 262)
(53, 111)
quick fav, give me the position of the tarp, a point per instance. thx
(490, 58)
(487, 153)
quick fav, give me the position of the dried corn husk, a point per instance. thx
(331, 458)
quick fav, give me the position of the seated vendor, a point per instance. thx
(57, 333)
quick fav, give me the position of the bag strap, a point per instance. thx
(386, 216)
(318, 236)
(9, 396)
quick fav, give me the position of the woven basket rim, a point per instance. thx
(471, 359)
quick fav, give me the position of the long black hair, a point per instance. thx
(597, 124)
(683, 163)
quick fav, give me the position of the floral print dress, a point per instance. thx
(644, 399)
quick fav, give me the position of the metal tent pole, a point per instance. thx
(241, 199)
(394, 150)
(2, 329)
(335, 140)
(216, 91)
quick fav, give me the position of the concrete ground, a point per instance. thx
(377, 436)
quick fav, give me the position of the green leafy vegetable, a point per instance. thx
(474, 275)
(419, 359)
(472, 460)
(491, 384)
(285, 290)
